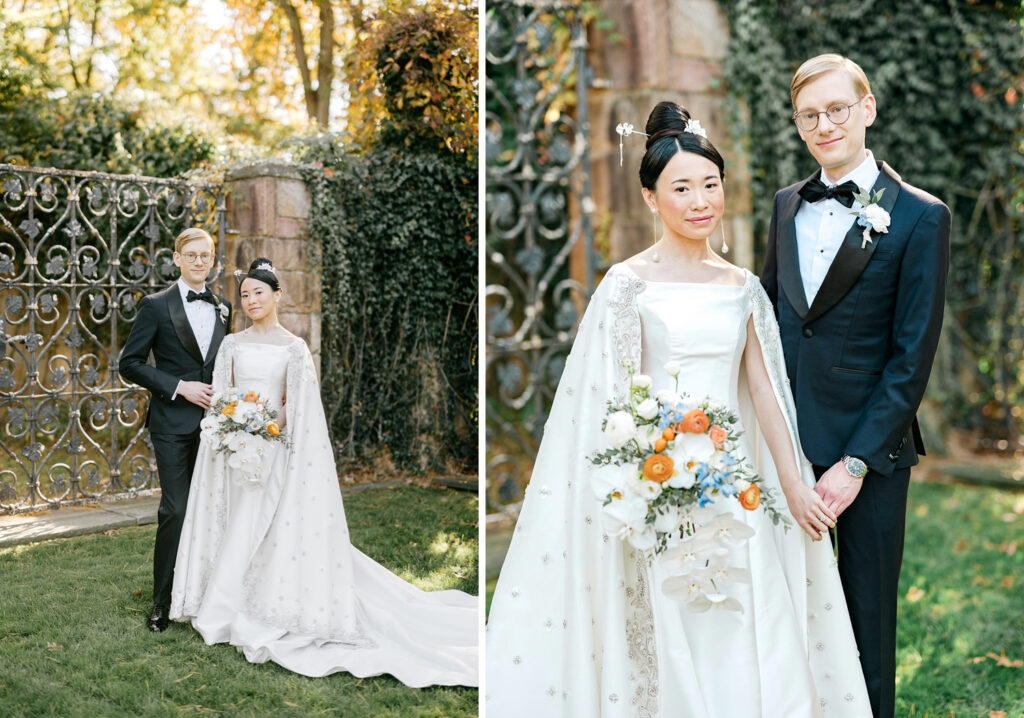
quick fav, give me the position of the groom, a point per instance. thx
(182, 326)
(859, 310)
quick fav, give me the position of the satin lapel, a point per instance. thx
(851, 260)
(181, 326)
(789, 257)
(219, 331)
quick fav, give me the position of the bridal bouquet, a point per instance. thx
(242, 426)
(672, 460)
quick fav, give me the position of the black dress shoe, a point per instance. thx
(157, 619)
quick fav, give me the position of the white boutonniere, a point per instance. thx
(870, 216)
(222, 309)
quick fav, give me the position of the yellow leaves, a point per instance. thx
(915, 594)
(997, 714)
(1001, 660)
(1007, 547)
(960, 546)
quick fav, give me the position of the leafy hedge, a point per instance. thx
(394, 234)
(93, 133)
(947, 75)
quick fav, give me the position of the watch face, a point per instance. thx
(856, 466)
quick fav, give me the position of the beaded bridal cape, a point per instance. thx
(270, 568)
(578, 626)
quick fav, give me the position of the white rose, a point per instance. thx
(672, 368)
(648, 409)
(741, 485)
(217, 396)
(877, 217)
(641, 381)
(619, 429)
(667, 397)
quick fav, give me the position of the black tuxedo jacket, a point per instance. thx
(859, 356)
(161, 327)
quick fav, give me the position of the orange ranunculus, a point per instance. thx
(659, 468)
(695, 422)
(228, 410)
(251, 396)
(668, 434)
(717, 435)
(273, 429)
(659, 445)
(751, 498)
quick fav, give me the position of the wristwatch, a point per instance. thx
(854, 466)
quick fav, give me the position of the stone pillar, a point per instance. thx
(268, 211)
(668, 50)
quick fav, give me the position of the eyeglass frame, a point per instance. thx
(817, 115)
(209, 257)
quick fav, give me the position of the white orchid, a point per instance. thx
(626, 518)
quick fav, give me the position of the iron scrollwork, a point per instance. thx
(78, 250)
(539, 222)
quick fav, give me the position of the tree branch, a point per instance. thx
(295, 25)
(325, 64)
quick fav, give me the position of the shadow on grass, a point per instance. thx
(72, 640)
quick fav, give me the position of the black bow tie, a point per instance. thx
(204, 296)
(817, 190)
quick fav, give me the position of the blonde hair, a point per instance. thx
(190, 235)
(817, 66)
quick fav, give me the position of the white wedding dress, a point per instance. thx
(270, 568)
(579, 625)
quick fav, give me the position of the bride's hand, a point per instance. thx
(808, 509)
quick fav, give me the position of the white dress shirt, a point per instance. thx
(202, 317)
(820, 227)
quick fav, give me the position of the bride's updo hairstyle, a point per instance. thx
(263, 270)
(667, 136)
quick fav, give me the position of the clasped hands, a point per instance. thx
(200, 393)
(817, 509)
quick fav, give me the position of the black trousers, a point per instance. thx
(175, 460)
(869, 538)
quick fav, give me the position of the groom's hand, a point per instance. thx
(197, 392)
(837, 488)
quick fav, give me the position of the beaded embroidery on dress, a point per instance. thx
(625, 649)
(271, 569)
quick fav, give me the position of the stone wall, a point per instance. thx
(267, 212)
(667, 50)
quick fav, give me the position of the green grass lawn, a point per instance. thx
(73, 642)
(961, 594)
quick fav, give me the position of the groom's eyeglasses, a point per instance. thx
(191, 257)
(837, 114)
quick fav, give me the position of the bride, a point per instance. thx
(579, 624)
(269, 567)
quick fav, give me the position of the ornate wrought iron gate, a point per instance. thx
(540, 258)
(77, 252)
